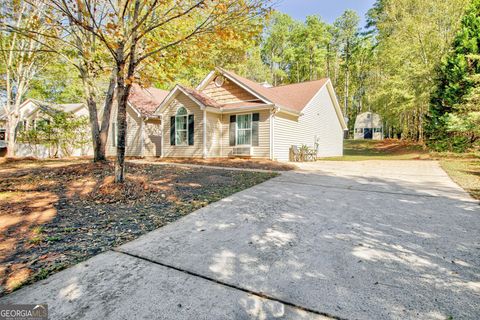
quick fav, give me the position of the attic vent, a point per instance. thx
(219, 81)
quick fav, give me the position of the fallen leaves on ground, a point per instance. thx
(55, 213)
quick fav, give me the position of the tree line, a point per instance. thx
(405, 64)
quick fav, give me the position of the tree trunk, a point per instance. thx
(124, 83)
(346, 80)
(122, 127)
(105, 126)
(12, 120)
(90, 96)
(328, 60)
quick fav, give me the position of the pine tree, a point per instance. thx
(452, 116)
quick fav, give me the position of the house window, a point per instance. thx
(181, 127)
(2, 134)
(244, 129)
(114, 134)
(377, 130)
(359, 130)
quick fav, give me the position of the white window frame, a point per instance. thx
(184, 144)
(249, 129)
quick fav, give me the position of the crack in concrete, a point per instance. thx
(232, 286)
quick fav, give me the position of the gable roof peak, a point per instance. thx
(294, 96)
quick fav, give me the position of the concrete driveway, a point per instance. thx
(353, 240)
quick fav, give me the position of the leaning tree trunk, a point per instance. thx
(106, 117)
(93, 117)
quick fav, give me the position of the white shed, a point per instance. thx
(368, 125)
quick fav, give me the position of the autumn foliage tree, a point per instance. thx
(21, 57)
(137, 32)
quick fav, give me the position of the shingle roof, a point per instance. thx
(294, 96)
(53, 107)
(146, 100)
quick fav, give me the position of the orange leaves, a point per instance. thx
(222, 8)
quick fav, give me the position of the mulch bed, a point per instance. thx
(243, 163)
(54, 214)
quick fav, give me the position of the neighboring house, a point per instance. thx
(143, 133)
(144, 138)
(368, 126)
(228, 115)
(31, 112)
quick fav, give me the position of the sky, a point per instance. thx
(329, 10)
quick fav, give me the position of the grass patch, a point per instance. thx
(464, 172)
(389, 149)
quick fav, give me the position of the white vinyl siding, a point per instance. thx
(114, 134)
(319, 120)
(133, 139)
(195, 151)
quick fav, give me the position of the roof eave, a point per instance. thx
(287, 110)
(249, 108)
(172, 96)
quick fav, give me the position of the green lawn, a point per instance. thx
(465, 172)
(464, 169)
(358, 150)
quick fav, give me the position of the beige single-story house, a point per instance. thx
(229, 115)
(225, 115)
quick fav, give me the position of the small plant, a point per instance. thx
(53, 239)
(45, 272)
(37, 230)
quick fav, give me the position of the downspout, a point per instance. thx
(274, 111)
(161, 137)
(271, 134)
(142, 136)
(205, 133)
(221, 135)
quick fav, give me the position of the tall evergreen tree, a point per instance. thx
(454, 113)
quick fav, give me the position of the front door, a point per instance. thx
(368, 133)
